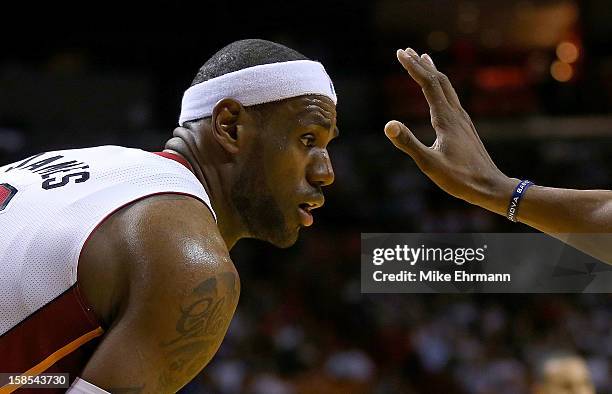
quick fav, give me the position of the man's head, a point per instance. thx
(562, 373)
(275, 154)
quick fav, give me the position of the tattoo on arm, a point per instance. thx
(204, 316)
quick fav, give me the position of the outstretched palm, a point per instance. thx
(457, 161)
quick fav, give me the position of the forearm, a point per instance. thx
(553, 210)
(581, 218)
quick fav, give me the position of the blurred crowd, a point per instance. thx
(407, 344)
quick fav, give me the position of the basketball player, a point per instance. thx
(459, 164)
(562, 373)
(114, 262)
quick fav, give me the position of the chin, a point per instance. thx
(285, 239)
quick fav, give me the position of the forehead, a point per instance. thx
(305, 110)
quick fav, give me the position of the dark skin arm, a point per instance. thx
(159, 273)
(460, 165)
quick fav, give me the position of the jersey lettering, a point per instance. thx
(48, 184)
(26, 161)
(49, 166)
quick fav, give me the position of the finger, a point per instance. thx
(427, 81)
(447, 87)
(451, 95)
(404, 140)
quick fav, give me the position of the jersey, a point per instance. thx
(50, 204)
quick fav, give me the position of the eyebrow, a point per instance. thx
(324, 122)
(319, 120)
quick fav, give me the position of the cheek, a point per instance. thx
(286, 168)
(278, 154)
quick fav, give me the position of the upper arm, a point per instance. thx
(182, 290)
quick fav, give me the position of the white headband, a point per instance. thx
(257, 85)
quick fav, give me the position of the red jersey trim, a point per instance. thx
(175, 157)
(47, 336)
(55, 357)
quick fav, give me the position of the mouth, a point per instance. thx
(304, 210)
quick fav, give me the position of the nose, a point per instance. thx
(320, 171)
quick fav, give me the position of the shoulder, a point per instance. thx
(170, 225)
(166, 244)
(171, 216)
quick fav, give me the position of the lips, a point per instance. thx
(304, 211)
(305, 216)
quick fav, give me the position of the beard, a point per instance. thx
(259, 210)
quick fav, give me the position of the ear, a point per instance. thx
(225, 122)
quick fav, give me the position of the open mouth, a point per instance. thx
(305, 214)
(307, 206)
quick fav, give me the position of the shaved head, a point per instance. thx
(563, 373)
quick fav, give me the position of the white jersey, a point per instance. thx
(50, 204)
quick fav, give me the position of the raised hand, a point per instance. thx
(457, 161)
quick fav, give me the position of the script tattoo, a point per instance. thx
(204, 317)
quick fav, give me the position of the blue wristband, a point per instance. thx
(516, 199)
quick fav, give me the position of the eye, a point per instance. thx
(308, 140)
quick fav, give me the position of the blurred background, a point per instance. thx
(536, 77)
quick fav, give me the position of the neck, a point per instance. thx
(211, 175)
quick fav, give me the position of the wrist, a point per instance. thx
(495, 193)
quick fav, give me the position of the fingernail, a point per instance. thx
(400, 52)
(392, 130)
(412, 52)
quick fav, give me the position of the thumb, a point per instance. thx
(404, 140)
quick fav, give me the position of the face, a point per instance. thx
(566, 376)
(285, 167)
